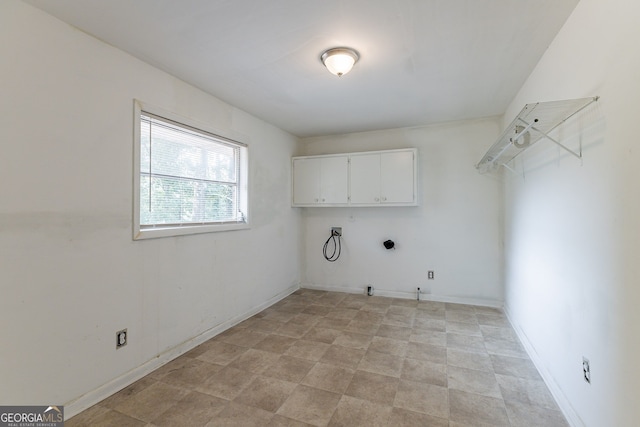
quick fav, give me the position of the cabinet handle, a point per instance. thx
(384, 199)
(377, 199)
(323, 200)
(316, 200)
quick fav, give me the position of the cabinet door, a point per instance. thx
(365, 179)
(397, 177)
(306, 181)
(334, 173)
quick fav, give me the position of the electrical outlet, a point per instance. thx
(586, 369)
(336, 231)
(121, 338)
(430, 275)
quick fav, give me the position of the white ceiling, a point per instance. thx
(421, 61)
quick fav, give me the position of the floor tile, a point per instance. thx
(530, 392)
(281, 316)
(369, 317)
(90, 417)
(381, 363)
(429, 337)
(342, 313)
(195, 409)
(191, 374)
(430, 324)
(375, 308)
(474, 409)
(461, 316)
(275, 344)
(463, 328)
(353, 340)
(289, 368)
(226, 383)
(473, 381)
(310, 405)
(265, 325)
(310, 350)
(327, 336)
(254, 361)
(393, 319)
(404, 302)
(498, 333)
(389, 346)
(449, 306)
(493, 320)
(468, 359)
(343, 356)
(328, 323)
(356, 412)
(266, 393)
(331, 299)
(362, 327)
(293, 330)
(395, 332)
(465, 342)
(424, 398)
(280, 421)
(514, 366)
(127, 392)
(319, 310)
(523, 415)
(424, 371)
(103, 417)
(328, 377)
(151, 402)
(244, 338)
(373, 387)
(488, 310)
(237, 415)
(431, 353)
(222, 353)
(504, 347)
(351, 303)
(433, 306)
(430, 311)
(405, 418)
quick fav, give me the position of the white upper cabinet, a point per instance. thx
(320, 180)
(384, 178)
(365, 179)
(398, 177)
(376, 178)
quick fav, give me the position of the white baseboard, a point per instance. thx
(565, 406)
(92, 397)
(408, 295)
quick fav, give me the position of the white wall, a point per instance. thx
(455, 231)
(572, 230)
(70, 273)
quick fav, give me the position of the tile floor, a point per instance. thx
(334, 359)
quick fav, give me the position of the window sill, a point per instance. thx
(157, 232)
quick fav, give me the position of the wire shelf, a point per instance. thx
(531, 125)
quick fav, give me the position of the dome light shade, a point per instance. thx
(339, 60)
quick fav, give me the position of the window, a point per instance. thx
(188, 180)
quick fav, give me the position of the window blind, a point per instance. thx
(187, 176)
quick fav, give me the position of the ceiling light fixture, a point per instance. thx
(339, 60)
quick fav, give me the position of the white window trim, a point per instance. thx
(160, 231)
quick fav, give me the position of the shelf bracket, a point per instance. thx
(567, 149)
(509, 168)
